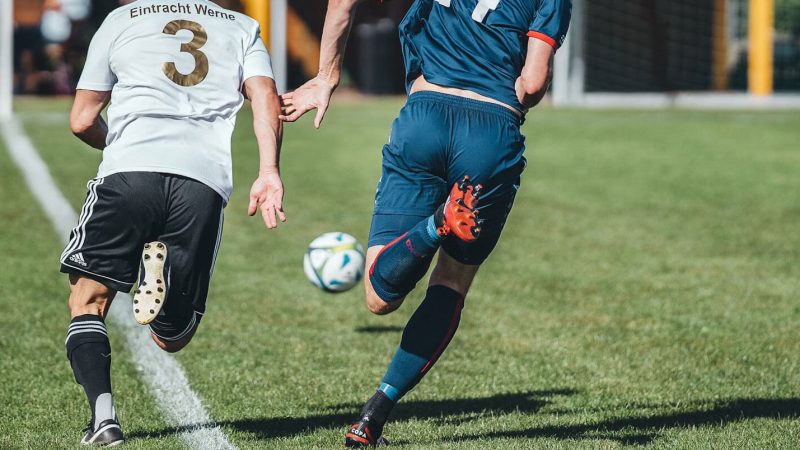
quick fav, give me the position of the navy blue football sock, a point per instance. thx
(89, 354)
(404, 261)
(425, 337)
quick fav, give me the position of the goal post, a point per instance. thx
(761, 30)
(6, 57)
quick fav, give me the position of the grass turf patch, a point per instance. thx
(644, 291)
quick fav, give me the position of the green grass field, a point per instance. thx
(646, 292)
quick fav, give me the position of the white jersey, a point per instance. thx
(175, 69)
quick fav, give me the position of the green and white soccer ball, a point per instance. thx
(334, 262)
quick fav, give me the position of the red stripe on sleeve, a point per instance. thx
(543, 37)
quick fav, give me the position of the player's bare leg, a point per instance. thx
(89, 354)
(395, 268)
(452, 274)
(425, 337)
(394, 271)
(87, 296)
(448, 272)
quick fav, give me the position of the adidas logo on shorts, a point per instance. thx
(77, 258)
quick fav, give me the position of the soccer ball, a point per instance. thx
(334, 262)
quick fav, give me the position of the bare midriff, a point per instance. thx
(421, 84)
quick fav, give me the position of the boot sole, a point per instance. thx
(151, 293)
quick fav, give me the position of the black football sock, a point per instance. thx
(89, 354)
(425, 337)
(404, 261)
(377, 409)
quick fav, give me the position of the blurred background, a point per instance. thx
(663, 48)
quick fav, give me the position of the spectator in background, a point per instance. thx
(61, 74)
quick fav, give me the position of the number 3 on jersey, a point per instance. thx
(193, 48)
(481, 9)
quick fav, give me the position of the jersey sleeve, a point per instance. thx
(256, 59)
(551, 22)
(97, 74)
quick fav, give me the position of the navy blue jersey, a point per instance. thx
(478, 45)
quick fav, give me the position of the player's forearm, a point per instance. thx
(93, 134)
(338, 21)
(269, 133)
(269, 137)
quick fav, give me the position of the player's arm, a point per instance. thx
(316, 93)
(94, 89)
(536, 74)
(267, 191)
(545, 34)
(85, 119)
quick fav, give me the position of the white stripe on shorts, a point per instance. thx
(79, 232)
(73, 240)
(216, 246)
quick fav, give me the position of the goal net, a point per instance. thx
(659, 52)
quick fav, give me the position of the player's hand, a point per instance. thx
(315, 93)
(267, 195)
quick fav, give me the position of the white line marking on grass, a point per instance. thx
(162, 373)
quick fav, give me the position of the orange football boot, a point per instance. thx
(461, 211)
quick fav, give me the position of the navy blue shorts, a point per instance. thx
(435, 141)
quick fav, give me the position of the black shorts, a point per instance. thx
(124, 211)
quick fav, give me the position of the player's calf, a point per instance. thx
(425, 338)
(88, 296)
(89, 354)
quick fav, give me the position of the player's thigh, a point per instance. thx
(413, 180)
(489, 150)
(192, 234)
(413, 173)
(120, 213)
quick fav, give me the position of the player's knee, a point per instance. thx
(88, 296)
(173, 335)
(173, 345)
(170, 346)
(377, 305)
